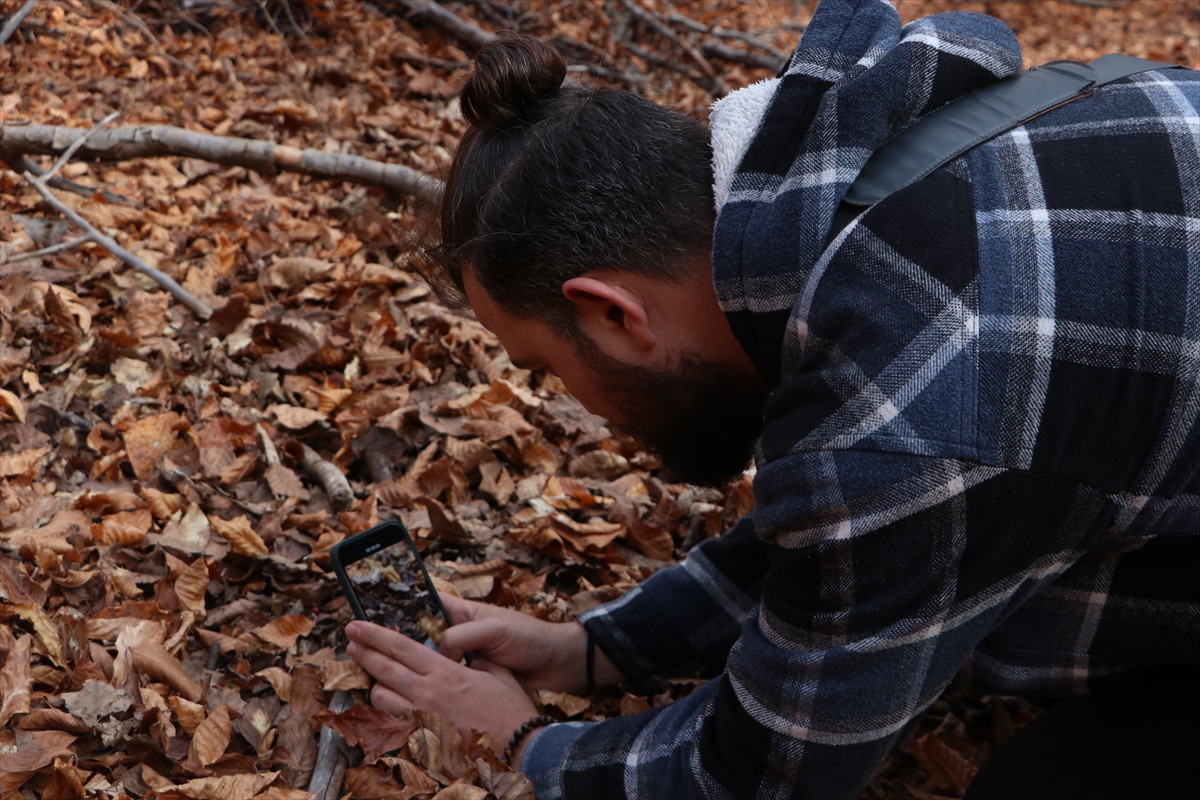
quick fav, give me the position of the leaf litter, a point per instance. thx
(170, 488)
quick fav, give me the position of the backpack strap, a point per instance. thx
(963, 124)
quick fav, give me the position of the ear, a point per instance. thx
(612, 315)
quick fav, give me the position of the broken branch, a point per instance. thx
(431, 13)
(15, 20)
(109, 244)
(150, 141)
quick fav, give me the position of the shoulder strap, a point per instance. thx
(945, 134)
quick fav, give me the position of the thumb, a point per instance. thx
(461, 610)
(479, 636)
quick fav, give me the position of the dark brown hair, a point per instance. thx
(552, 181)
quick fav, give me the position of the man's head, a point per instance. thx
(577, 223)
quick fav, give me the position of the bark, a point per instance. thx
(149, 141)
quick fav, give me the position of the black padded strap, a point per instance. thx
(952, 130)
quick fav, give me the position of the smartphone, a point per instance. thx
(386, 583)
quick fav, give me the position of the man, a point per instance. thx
(975, 408)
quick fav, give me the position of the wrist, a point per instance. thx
(521, 738)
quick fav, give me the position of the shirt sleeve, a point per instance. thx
(885, 572)
(683, 620)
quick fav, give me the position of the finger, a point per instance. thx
(393, 674)
(461, 610)
(478, 636)
(395, 645)
(385, 699)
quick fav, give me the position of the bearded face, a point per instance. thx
(701, 418)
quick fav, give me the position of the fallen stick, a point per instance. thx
(150, 141)
(651, 19)
(728, 33)
(430, 13)
(19, 163)
(714, 49)
(94, 235)
(341, 496)
(15, 20)
(329, 771)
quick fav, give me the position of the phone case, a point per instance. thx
(363, 544)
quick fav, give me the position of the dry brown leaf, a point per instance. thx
(189, 714)
(32, 750)
(452, 748)
(283, 793)
(47, 640)
(148, 440)
(295, 418)
(373, 782)
(426, 749)
(461, 790)
(95, 701)
(240, 535)
(11, 406)
(284, 631)
(284, 482)
(210, 739)
(130, 633)
(124, 528)
(633, 704)
(344, 675)
(280, 680)
(944, 765)
(52, 719)
(16, 681)
(226, 787)
(378, 732)
(155, 661)
(23, 464)
(191, 586)
(569, 704)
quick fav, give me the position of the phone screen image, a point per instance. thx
(390, 585)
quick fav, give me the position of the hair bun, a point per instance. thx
(512, 76)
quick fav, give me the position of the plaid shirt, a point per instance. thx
(981, 457)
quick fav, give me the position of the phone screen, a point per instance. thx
(390, 584)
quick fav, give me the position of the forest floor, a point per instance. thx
(170, 486)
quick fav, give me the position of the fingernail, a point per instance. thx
(353, 629)
(351, 649)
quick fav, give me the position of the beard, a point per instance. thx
(700, 418)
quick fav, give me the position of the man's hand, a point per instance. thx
(541, 655)
(409, 675)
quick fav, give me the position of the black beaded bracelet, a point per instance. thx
(522, 732)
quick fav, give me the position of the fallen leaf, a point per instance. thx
(155, 661)
(16, 682)
(946, 767)
(147, 441)
(240, 535)
(569, 704)
(344, 675)
(95, 701)
(226, 787)
(191, 586)
(378, 732)
(284, 631)
(210, 739)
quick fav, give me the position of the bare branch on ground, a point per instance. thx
(109, 244)
(15, 20)
(150, 141)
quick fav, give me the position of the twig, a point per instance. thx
(330, 768)
(431, 13)
(651, 19)
(727, 33)
(75, 145)
(135, 21)
(715, 49)
(15, 20)
(51, 250)
(20, 163)
(629, 78)
(332, 478)
(94, 235)
(149, 141)
(296, 68)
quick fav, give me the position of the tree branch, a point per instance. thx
(15, 20)
(19, 163)
(428, 12)
(149, 141)
(93, 234)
